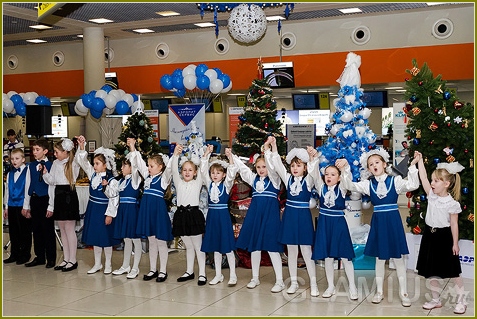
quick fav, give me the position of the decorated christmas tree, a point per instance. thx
(138, 126)
(348, 130)
(258, 120)
(440, 127)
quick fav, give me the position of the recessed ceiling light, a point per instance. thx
(143, 30)
(205, 24)
(393, 88)
(40, 27)
(350, 10)
(235, 94)
(35, 41)
(79, 35)
(434, 3)
(101, 20)
(401, 90)
(275, 18)
(168, 13)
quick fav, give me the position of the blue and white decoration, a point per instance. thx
(348, 131)
(15, 103)
(107, 101)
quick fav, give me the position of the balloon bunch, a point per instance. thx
(197, 82)
(107, 101)
(15, 103)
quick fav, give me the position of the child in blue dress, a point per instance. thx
(153, 216)
(386, 237)
(219, 235)
(127, 188)
(98, 229)
(296, 229)
(262, 222)
(332, 238)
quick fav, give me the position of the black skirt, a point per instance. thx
(188, 221)
(66, 203)
(435, 254)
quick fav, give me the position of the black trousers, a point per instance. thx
(44, 238)
(19, 229)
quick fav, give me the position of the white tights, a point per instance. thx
(108, 253)
(400, 271)
(158, 246)
(218, 263)
(276, 263)
(293, 262)
(128, 247)
(349, 270)
(193, 245)
(68, 239)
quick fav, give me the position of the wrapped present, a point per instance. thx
(362, 262)
(240, 190)
(242, 204)
(238, 214)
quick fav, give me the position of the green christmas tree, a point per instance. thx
(258, 121)
(441, 128)
(138, 126)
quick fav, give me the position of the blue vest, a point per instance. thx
(37, 187)
(16, 190)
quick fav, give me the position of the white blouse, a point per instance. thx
(188, 193)
(56, 176)
(439, 210)
(140, 166)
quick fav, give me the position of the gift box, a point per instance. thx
(242, 204)
(362, 262)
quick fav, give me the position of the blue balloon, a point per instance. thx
(180, 92)
(178, 82)
(96, 114)
(122, 107)
(166, 82)
(106, 88)
(16, 99)
(225, 79)
(135, 98)
(177, 72)
(42, 100)
(21, 109)
(92, 92)
(200, 69)
(87, 100)
(97, 105)
(203, 82)
(219, 73)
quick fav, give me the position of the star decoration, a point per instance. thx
(458, 120)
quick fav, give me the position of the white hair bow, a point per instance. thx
(452, 168)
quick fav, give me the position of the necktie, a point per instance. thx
(17, 169)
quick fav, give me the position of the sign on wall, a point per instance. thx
(180, 118)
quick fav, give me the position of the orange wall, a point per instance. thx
(454, 62)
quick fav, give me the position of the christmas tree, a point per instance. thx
(441, 128)
(258, 120)
(138, 126)
(349, 133)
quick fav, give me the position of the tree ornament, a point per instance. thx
(448, 150)
(141, 122)
(415, 71)
(433, 127)
(408, 105)
(471, 163)
(416, 141)
(266, 125)
(416, 111)
(458, 105)
(418, 206)
(471, 217)
(431, 142)
(450, 158)
(444, 111)
(465, 190)
(418, 133)
(416, 230)
(439, 90)
(449, 124)
(126, 152)
(408, 220)
(436, 111)
(150, 139)
(436, 160)
(447, 95)
(406, 79)
(464, 207)
(413, 99)
(420, 83)
(247, 23)
(409, 137)
(423, 197)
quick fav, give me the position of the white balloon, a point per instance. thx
(211, 74)
(355, 196)
(312, 203)
(110, 101)
(365, 113)
(190, 81)
(116, 94)
(107, 111)
(334, 129)
(347, 116)
(11, 93)
(79, 106)
(360, 131)
(228, 88)
(121, 93)
(135, 105)
(22, 95)
(128, 98)
(193, 66)
(8, 106)
(101, 94)
(5, 96)
(366, 205)
(35, 94)
(188, 71)
(216, 86)
(29, 98)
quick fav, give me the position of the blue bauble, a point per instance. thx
(465, 190)
(416, 141)
(447, 95)
(422, 197)
(150, 139)
(436, 161)
(408, 220)
(413, 98)
(141, 122)
(126, 152)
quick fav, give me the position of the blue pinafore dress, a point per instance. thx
(95, 231)
(332, 238)
(126, 218)
(296, 227)
(386, 237)
(153, 216)
(219, 234)
(262, 222)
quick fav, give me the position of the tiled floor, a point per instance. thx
(39, 291)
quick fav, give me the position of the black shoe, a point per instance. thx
(34, 262)
(203, 281)
(73, 267)
(22, 261)
(161, 279)
(186, 277)
(60, 266)
(9, 260)
(149, 277)
(50, 264)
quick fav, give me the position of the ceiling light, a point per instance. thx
(168, 13)
(236, 94)
(40, 27)
(434, 3)
(143, 30)
(101, 20)
(393, 88)
(35, 41)
(79, 35)
(401, 90)
(205, 24)
(275, 18)
(350, 10)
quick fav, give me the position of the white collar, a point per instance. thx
(381, 178)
